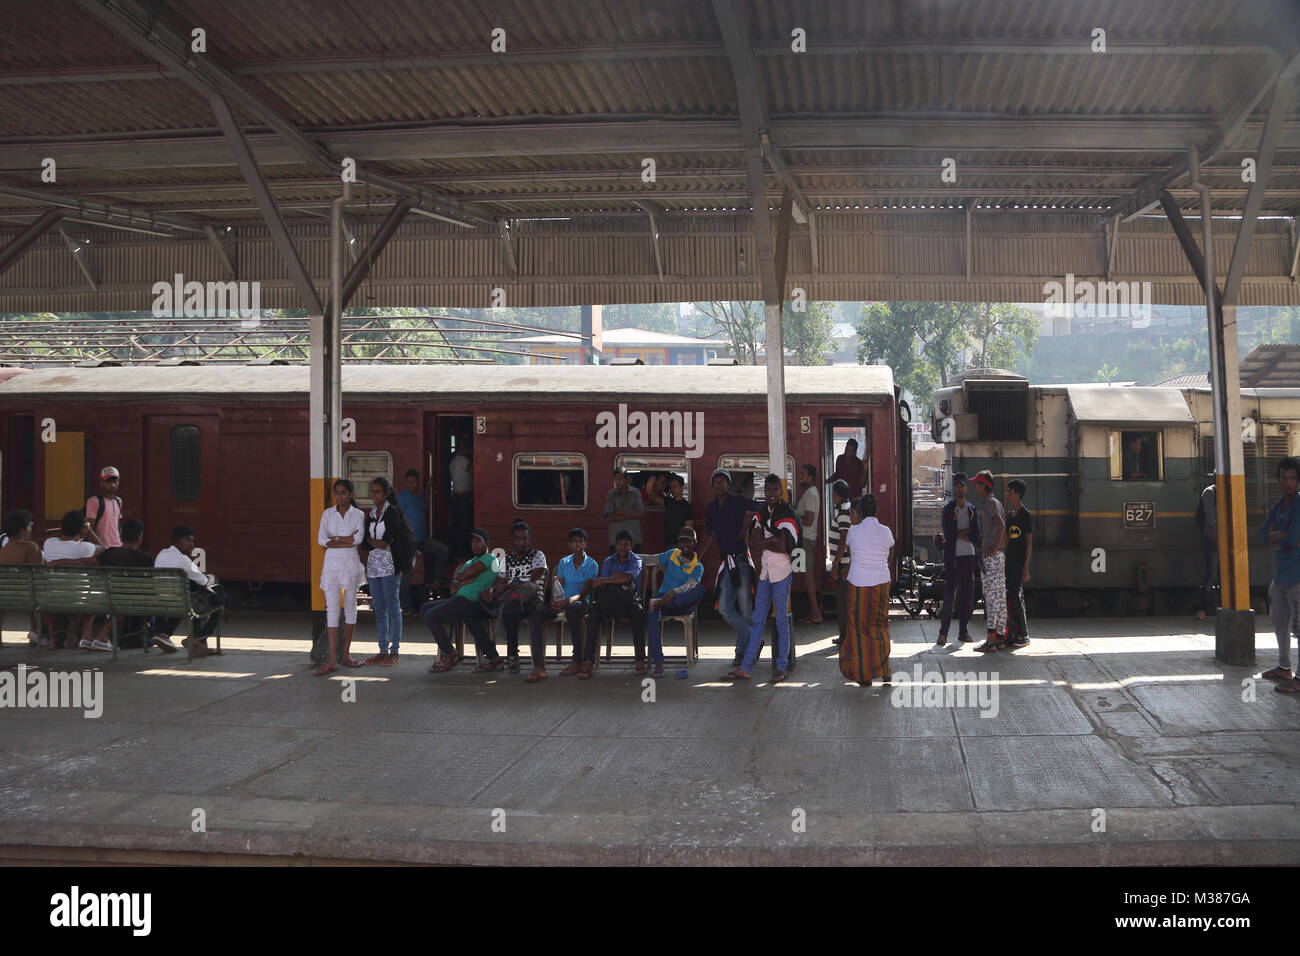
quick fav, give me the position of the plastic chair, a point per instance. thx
(648, 561)
(690, 621)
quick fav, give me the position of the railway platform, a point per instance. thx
(1106, 741)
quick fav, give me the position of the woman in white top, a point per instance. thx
(342, 528)
(864, 652)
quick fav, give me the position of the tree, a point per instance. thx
(1107, 373)
(1001, 331)
(810, 333)
(920, 341)
(653, 317)
(740, 322)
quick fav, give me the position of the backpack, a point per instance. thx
(100, 513)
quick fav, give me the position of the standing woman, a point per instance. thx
(390, 548)
(342, 528)
(864, 652)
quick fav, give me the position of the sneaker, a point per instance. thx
(512, 664)
(158, 640)
(1277, 673)
(1018, 642)
(33, 638)
(86, 644)
(100, 645)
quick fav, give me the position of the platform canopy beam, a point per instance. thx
(15, 248)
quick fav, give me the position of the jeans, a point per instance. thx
(388, 611)
(438, 614)
(682, 604)
(614, 601)
(1017, 620)
(736, 603)
(435, 565)
(575, 615)
(512, 612)
(959, 583)
(1284, 612)
(770, 595)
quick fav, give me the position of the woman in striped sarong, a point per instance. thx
(864, 652)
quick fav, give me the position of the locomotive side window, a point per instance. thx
(1137, 455)
(641, 469)
(550, 481)
(187, 465)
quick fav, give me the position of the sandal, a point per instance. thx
(657, 671)
(350, 662)
(986, 648)
(639, 668)
(445, 663)
(326, 669)
(943, 639)
(488, 665)
(377, 659)
(512, 664)
(737, 674)
(588, 670)
(574, 668)
(777, 676)
(388, 661)
(536, 677)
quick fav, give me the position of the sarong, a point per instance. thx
(864, 652)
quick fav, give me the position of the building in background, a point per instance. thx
(653, 348)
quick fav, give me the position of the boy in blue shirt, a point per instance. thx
(617, 594)
(574, 575)
(682, 589)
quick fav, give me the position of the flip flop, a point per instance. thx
(808, 621)
(988, 647)
(777, 677)
(326, 669)
(352, 662)
(1288, 687)
(735, 675)
(445, 664)
(536, 677)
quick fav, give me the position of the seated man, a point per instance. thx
(19, 548)
(518, 588)
(679, 592)
(617, 595)
(468, 587)
(130, 554)
(573, 582)
(71, 547)
(206, 596)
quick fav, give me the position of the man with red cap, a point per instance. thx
(104, 511)
(993, 561)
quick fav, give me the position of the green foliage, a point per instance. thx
(808, 334)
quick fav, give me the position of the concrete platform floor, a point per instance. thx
(1113, 742)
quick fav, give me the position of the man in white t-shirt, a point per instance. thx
(461, 472)
(71, 548)
(206, 596)
(809, 510)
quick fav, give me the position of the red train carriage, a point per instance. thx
(224, 449)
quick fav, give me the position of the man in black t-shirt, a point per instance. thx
(1020, 546)
(132, 631)
(678, 512)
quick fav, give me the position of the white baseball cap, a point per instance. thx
(108, 471)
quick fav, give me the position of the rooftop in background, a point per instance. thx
(1186, 380)
(627, 337)
(1271, 366)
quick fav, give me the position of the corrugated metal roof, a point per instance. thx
(1102, 405)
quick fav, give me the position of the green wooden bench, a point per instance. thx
(115, 592)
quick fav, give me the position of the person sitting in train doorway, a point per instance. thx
(775, 533)
(1020, 548)
(572, 585)
(105, 511)
(206, 596)
(471, 581)
(1281, 532)
(725, 520)
(993, 562)
(461, 472)
(517, 591)
(389, 547)
(341, 530)
(411, 500)
(809, 509)
(960, 537)
(679, 592)
(615, 594)
(1207, 519)
(623, 508)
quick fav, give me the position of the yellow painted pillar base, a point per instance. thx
(1234, 543)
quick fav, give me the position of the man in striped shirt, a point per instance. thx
(840, 557)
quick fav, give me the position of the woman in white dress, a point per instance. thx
(342, 528)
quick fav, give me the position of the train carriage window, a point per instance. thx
(748, 472)
(1137, 455)
(187, 465)
(362, 467)
(642, 468)
(550, 481)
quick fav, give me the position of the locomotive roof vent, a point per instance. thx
(723, 361)
(175, 361)
(626, 361)
(99, 363)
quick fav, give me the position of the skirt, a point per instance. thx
(864, 652)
